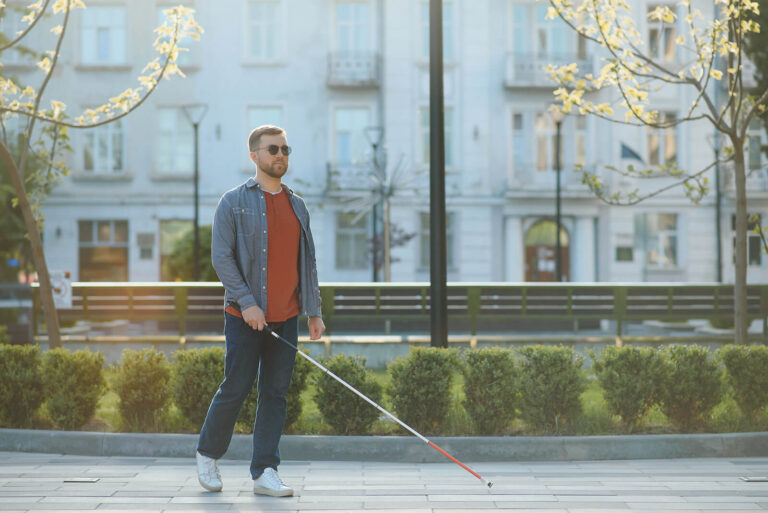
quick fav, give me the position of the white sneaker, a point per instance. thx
(269, 483)
(208, 473)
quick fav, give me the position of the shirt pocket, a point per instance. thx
(245, 221)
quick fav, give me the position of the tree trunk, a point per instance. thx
(741, 322)
(38, 257)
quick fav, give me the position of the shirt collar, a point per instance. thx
(251, 183)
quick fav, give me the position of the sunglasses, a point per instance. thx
(274, 148)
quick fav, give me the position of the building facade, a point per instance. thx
(341, 75)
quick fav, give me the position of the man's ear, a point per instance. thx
(253, 156)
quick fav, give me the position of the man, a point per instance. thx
(264, 254)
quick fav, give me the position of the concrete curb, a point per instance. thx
(400, 448)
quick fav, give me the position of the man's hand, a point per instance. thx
(316, 328)
(254, 317)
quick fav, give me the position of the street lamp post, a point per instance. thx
(557, 117)
(375, 134)
(195, 113)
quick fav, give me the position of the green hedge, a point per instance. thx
(692, 385)
(747, 372)
(551, 383)
(342, 409)
(74, 384)
(631, 379)
(142, 383)
(196, 375)
(22, 389)
(490, 389)
(421, 386)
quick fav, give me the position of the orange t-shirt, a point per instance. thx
(282, 258)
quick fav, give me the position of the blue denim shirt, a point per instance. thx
(240, 243)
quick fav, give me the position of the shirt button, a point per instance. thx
(263, 268)
(263, 213)
(264, 250)
(265, 231)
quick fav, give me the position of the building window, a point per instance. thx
(103, 149)
(624, 254)
(662, 142)
(448, 132)
(425, 253)
(187, 57)
(580, 140)
(546, 142)
(350, 144)
(351, 241)
(103, 35)
(658, 233)
(145, 242)
(103, 247)
(449, 32)
(661, 37)
(175, 141)
(754, 241)
(533, 34)
(352, 27)
(10, 26)
(263, 30)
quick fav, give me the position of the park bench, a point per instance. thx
(475, 306)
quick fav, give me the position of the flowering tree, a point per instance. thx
(632, 72)
(44, 129)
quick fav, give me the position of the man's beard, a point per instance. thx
(273, 172)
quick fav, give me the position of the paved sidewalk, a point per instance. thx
(36, 482)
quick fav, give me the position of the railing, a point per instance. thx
(526, 69)
(353, 69)
(348, 176)
(479, 306)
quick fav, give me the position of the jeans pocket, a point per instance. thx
(245, 221)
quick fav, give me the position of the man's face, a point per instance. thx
(273, 165)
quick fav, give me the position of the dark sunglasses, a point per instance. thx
(274, 148)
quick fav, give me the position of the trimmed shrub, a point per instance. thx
(4, 338)
(692, 386)
(490, 389)
(197, 374)
(421, 386)
(747, 372)
(301, 371)
(74, 383)
(142, 385)
(631, 378)
(343, 410)
(21, 384)
(551, 383)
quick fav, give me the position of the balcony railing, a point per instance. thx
(528, 177)
(757, 180)
(348, 176)
(356, 69)
(527, 69)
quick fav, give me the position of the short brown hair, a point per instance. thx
(256, 133)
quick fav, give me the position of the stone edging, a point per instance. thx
(400, 448)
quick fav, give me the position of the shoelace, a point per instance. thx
(273, 478)
(212, 469)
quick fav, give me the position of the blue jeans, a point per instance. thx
(252, 353)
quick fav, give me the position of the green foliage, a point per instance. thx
(490, 389)
(342, 409)
(142, 385)
(74, 383)
(420, 386)
(630, 378)
(551, 384)
(692, 385)
(4, 338)
(180, 263)
(747, 372)
(196, 375)
(21, 386)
